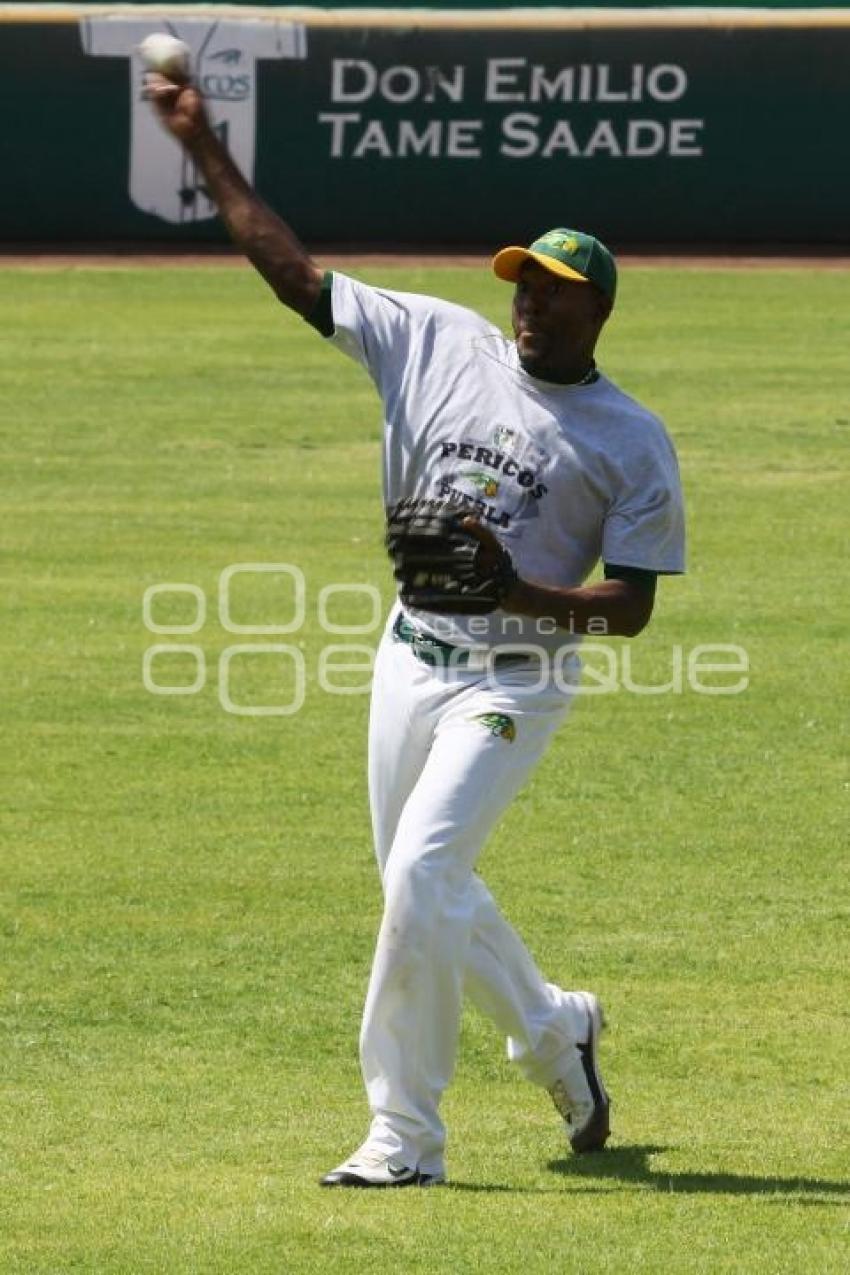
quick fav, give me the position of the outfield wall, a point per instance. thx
(450, 128)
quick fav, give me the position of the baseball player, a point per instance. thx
(510, 468)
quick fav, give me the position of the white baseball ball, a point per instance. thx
(167, 55)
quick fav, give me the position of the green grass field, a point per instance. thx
(188, 899)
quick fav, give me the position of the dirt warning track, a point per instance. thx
(112, 256)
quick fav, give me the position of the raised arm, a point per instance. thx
(266, 240)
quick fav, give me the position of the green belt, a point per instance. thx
(430, 650)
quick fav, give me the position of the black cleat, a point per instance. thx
(579, 1095)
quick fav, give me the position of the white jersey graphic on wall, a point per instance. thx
(163, 179)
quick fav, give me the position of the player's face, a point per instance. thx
(556, 322)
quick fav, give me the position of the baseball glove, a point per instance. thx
(443, 566)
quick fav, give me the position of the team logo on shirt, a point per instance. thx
(503, 487)
(498, 724)
(486, 483)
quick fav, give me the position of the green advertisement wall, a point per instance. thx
(402, 130)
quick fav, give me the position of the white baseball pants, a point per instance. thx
(439, 777)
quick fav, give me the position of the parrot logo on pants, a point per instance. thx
(498, 724)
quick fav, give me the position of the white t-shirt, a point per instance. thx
(563, 474)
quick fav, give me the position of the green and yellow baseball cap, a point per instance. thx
(570, 253)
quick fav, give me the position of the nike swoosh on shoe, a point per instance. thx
(379, 1174)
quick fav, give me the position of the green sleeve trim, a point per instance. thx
(321, 317)
(638, 574)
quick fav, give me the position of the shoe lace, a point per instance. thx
(370, 1158)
